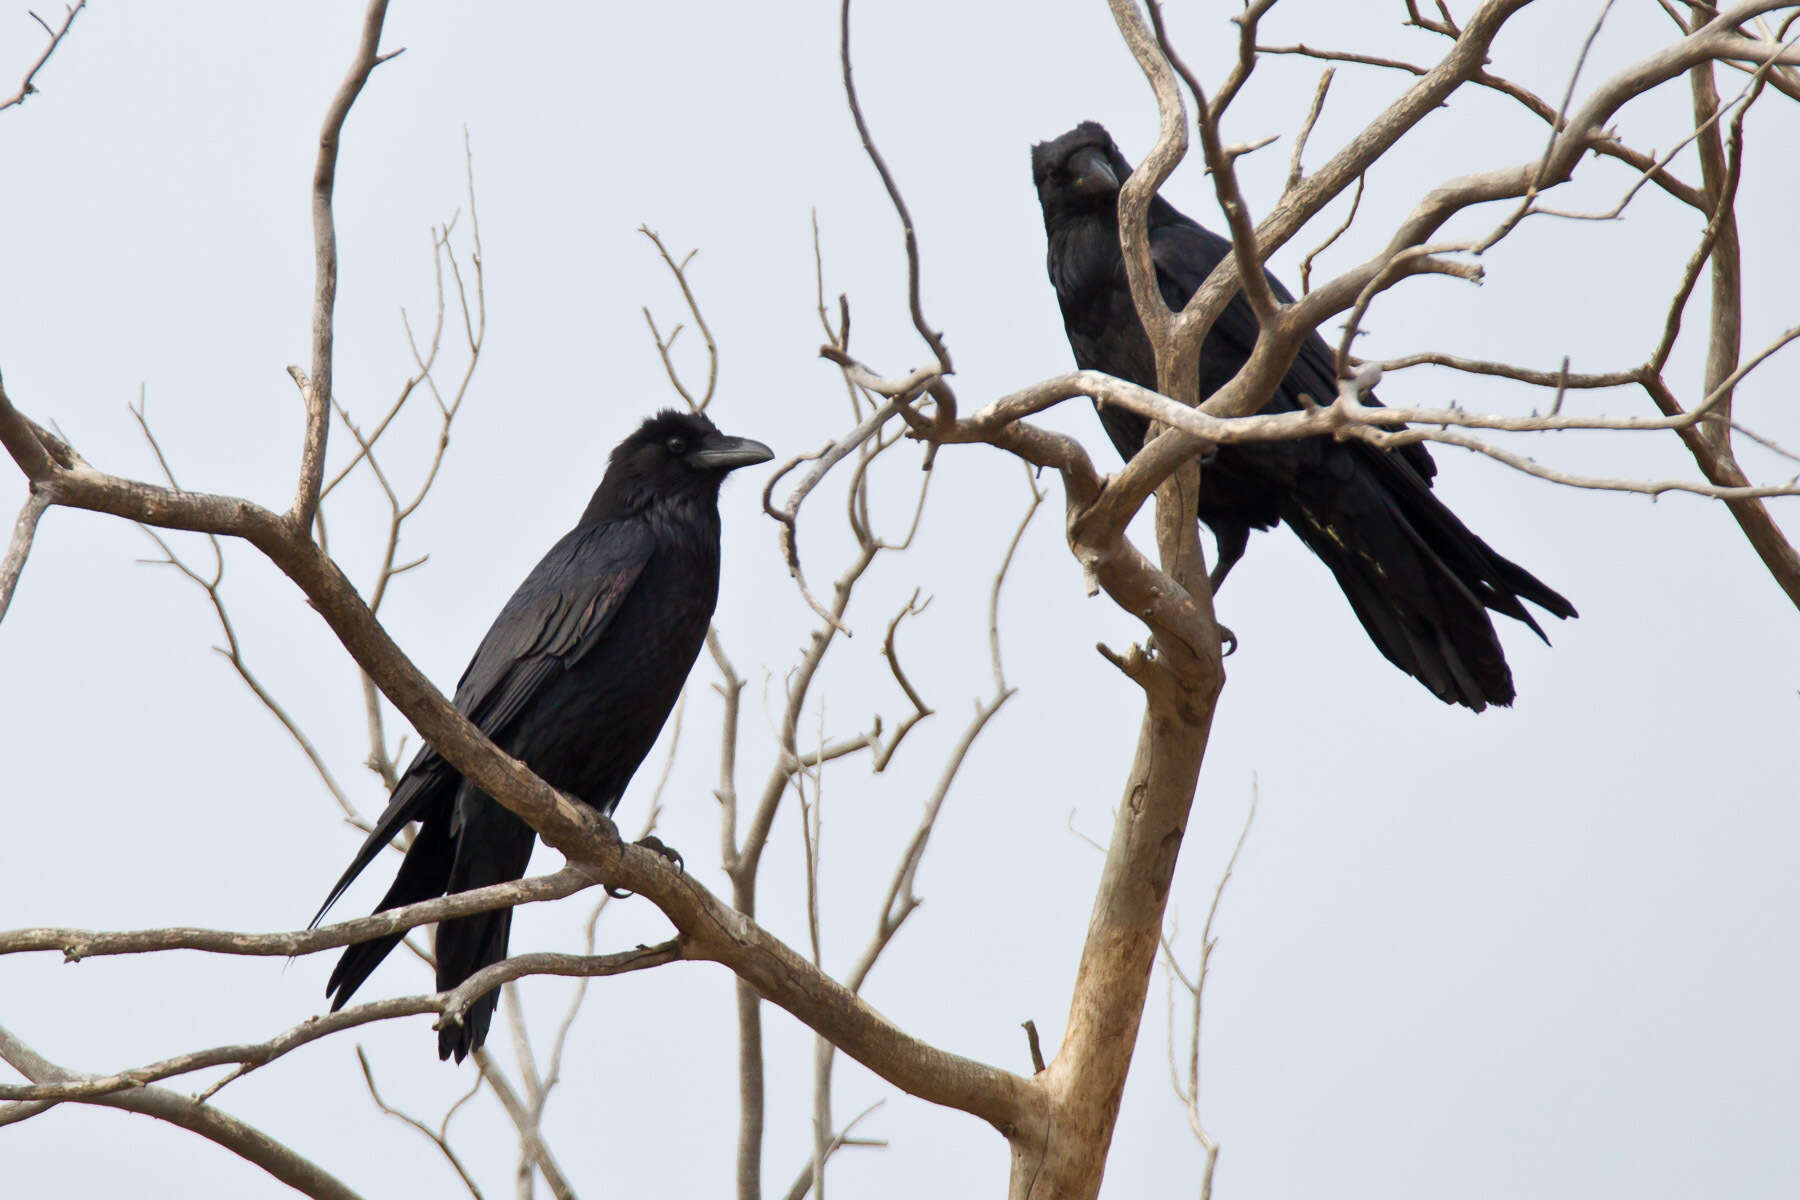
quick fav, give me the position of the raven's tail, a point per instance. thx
(494, 846)
(423, 876)
(1419, 580)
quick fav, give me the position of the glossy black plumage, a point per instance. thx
(575, 678)
(1417, 578)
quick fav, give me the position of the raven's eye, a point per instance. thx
(676, 445)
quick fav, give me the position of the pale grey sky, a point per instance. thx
(1544, 951)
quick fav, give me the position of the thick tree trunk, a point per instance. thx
(1063, 1157)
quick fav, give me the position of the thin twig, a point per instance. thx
(663, 345)
(28, 87)
(317, 389)
(932, 338)
(1189, 1094)
(1349, 219)
(1306, 128)
(1034, 1045)
(530, 1138)
(803, 1182)
(435, 1136)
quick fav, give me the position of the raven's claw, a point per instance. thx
(668, 852)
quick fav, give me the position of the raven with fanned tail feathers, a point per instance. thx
(1417, 578)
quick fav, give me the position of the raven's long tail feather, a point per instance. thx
(467, 944)
(422, 876)
(1420, 581)
(424, 793)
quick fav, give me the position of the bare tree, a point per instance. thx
(1059, 1119)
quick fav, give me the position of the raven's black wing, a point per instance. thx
(559, 614)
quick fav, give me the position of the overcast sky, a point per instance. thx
(1545, 951)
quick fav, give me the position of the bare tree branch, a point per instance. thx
(28, 87)
(901, 901)
(317, 390)
(1331, 238)
(245, 1141)
(449, 1006)
(1189, 1094)
(1346, 417)
(529, 1116)
(438, 1137)
(932, 338)
(1218, 164)
(232, 652)
(803, 1182)
(788, 514)
(24, 529)
(663, 345)
(529, 1135)
(1306, 128)
(1177, 340)
(77, 944)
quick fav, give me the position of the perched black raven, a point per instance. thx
(1419, 581)
(575, 678)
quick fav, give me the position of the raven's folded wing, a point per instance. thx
(557, 615)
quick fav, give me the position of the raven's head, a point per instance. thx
(1078, 173)
(672, 455)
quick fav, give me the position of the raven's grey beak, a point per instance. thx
(1091, 171)
(729, 453)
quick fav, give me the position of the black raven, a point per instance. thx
(1419, 581)
(575, 678)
